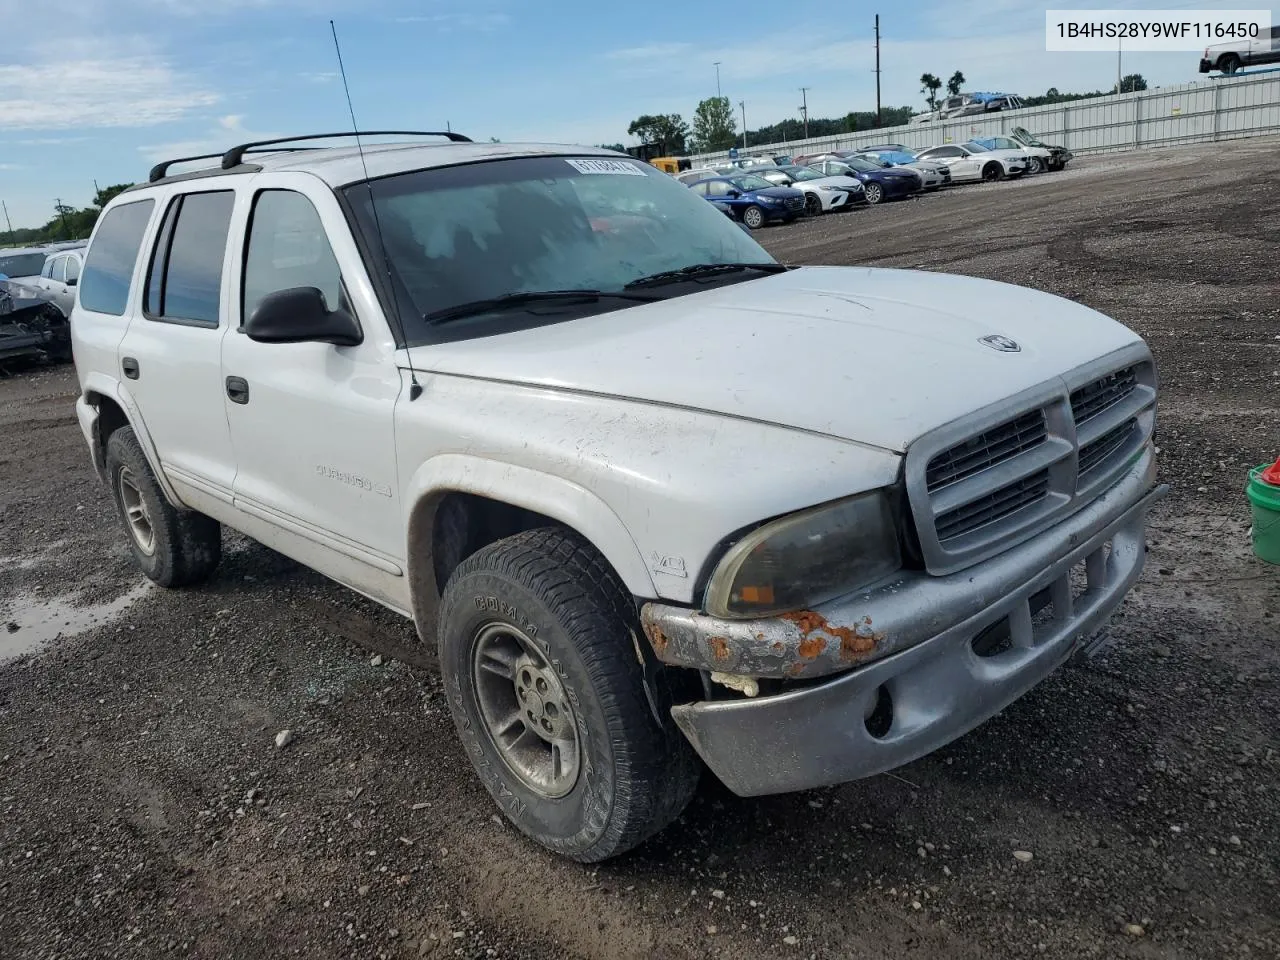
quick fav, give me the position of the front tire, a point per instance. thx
(173, 547)
(874, 193)
(812, 205)
(992, 172)
(538, 643)
(753, 217)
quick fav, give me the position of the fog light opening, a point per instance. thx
(880, 720)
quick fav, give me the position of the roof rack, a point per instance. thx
(233, 156)
(161, 170)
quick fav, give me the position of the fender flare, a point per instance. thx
(563, 500)
(112, 389)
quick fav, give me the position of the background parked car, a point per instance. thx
(58, 279)
(878, 182)
(969, 161)
(1058, 155)
(1230, 57)
(822, 194)
(1037, 157)
(753, 200)
(933, 175)
(972, 104)
(690, 177)
(22, 263)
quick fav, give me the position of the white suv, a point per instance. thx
(656, 500)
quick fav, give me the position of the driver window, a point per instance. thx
(287, 248)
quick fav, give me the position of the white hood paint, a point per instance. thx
(873, 356)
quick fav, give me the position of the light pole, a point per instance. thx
(804, 109)
(743, 105)
(717, 66)
(1119, 70)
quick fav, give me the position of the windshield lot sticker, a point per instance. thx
(618, 167)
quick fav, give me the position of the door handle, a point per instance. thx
(238, 389)
(130, 367)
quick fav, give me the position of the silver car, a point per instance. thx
(970, 161)
(58, 279)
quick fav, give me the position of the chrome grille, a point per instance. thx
(985, 450)
(995, 478)
(794, 203)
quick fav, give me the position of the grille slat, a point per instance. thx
(1100, 395)
(993, 504)
(987, 449)
(1093, 455)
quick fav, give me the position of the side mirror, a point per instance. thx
(734, 194)
(299, 315)
(72, 281)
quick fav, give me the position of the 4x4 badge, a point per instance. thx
(996, 342)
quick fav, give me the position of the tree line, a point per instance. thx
(715, 127)
(67, 222)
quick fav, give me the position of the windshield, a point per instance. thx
(478, 231)
(804, 173)
(22, 264)
(1028, 138)
(865, 166)
(752, 183)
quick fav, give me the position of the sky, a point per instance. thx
(101, 89)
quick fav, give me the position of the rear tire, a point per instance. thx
(753, 217)
(1035, 165)
(1229, 64)
(538, 649)
(173, 547)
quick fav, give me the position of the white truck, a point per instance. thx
(657, 501)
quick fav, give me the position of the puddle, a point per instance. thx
(40, 621)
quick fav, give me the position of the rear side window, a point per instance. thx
(185, 281)
(108, 270)
(60, 269)
(47, 270)
(73, 269)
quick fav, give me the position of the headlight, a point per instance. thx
(806, 559)
(826, 189)
(768, 199)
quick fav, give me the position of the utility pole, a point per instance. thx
(717, 66)
(877, 70)
(743, 105)
(7, 221)
(804, 109)
(1119, 72)
(62, 211)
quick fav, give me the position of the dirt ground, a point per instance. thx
(145, 810)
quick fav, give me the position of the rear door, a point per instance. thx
(170, 358)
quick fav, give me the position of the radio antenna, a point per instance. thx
(415, 388)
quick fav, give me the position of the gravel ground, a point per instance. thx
(1125, 808)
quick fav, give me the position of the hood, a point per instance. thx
(869, 355)
(845, 183)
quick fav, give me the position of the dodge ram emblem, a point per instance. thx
(996, 342)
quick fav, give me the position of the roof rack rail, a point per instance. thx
(161, 170)
(233, 156)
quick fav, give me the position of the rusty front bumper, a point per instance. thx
(935, 684)
(866, 626)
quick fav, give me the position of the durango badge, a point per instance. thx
(997, 342)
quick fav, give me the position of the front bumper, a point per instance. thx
(922, 630)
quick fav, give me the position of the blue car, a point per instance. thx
(753, 200)
(879, 183)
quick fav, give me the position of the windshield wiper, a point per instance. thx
(525, 298)
(702, 270)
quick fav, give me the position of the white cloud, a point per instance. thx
(448, 22)
(320, 76)
(651, 51)
(225, 134)
(50, 141)
(77, 93)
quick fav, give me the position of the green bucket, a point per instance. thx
(1265, 499)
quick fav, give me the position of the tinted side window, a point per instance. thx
(73, 268)
(287, 248)
(719, 188)
(108, 269)
(701, 189)
(47, 270)
(185, 282)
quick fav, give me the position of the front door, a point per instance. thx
(312, 424)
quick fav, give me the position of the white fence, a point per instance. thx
(1222, 109)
